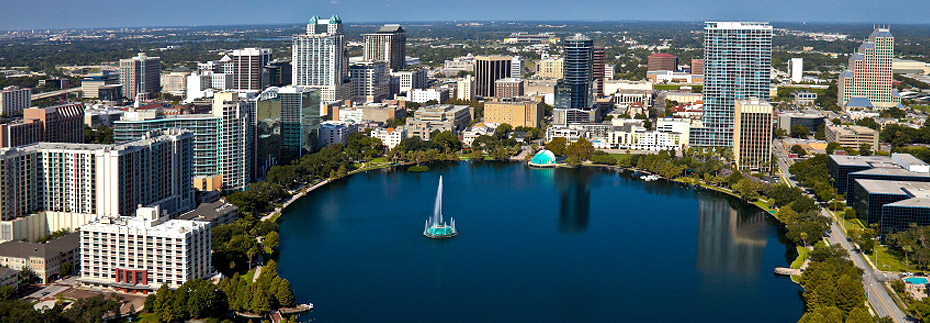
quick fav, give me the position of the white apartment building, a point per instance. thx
(681, 126)
(14, 99)
(421, 96)
(796, 69)
(351, 115)
(465, 88)
(409, 80)
(100, 180)
(390, 137)
(336, 132)
(319, 59)
(237, 138)
(140, 254)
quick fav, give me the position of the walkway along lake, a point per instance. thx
(551, 245)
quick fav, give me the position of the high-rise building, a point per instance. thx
(388, 44)
(142, 253)
(247, 67)
(277, 73)
(574, 91)
(300, 121)
(752, 135)
(869, 75)
(100, 180)
(140, 75)
(371, 81)
(737, 65)
(489, 69)
(516, 67)
(60, 123)
(598, 70)
(319, 58)
(336, 132)
(224, 141)
(175, 82)
(20, 133)
(90, 85)
(697, 66)
(796, 69)
(13, 100)
(662, 62)
(465, 88)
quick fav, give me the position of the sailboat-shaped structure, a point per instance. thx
(436, 227)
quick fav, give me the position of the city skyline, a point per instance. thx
(82, 14)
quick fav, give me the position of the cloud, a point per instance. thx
(334, 2)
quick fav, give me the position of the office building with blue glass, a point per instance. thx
(737, 66)
(844, 169)
(575, 91)
(893, 205)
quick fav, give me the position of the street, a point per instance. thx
(876, 294)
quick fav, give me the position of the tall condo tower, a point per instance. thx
(247, 67)
(140, 75)
(869, 75)
(387, 44)
(320, 60)
(737, 66)
(489, 69)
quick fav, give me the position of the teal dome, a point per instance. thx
(335, 19)
(543, 158)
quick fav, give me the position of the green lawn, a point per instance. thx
(147, 318)
(887, 261)
(803, 253)
(666, 87)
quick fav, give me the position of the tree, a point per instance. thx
(865, 150)
(203, 298)
(797, 149)
(557, 146)
(779, 133)
(799, 131)
(502, 130)
(821, 133)
(581, 149)
(868, 122)
(285, 294)
(261, 302)
(66, 269)
(271, 241)
(748, 189)
(832, 147)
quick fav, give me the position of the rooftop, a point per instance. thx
(875, 186)
(209, 211)
(19, 249)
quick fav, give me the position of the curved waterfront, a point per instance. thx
(534, 245)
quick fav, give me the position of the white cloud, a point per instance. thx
(334, 2)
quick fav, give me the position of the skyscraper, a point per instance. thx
(752, 135)
(300, 121)
(489, 69)
(737, 65)
(662, 62)
(574, 91)
(870, 75)
(247, 67)
(387, 44)
(371, 81)
(598, 70)
(140, 74)
(320, 60)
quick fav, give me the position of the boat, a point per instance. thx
(436, 227)
(649, 178)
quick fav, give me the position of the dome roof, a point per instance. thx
(544, 157)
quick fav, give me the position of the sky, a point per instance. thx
(57, 14)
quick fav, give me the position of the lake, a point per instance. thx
(553, 245)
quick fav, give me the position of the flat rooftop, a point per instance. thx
(866, 161)
(916, 189)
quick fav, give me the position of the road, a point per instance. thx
(43, 95)
(876, 294)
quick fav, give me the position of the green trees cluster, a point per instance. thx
(900, 136)
(914, 243)
(833, 289)
(813, 173)
(235, 245)
(266, 293)
(101, 135)
(442, 146)
(195, 299)
(89, 309)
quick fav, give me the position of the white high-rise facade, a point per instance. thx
(140, 254)
(371, 81)
(465, 88)
(319, 59)
(237, 139)
(13, 100)
(102, 180)
(796, 69)
(737, 66)
(869, 76)
(247, 66)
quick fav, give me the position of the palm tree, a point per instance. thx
(804, 238)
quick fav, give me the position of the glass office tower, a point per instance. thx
(574, 91)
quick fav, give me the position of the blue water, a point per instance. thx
(916, 280)
(551, 245)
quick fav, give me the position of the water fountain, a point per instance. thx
(436, 227)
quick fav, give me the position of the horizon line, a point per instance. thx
(421, 22)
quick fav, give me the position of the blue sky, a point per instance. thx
(39, 14)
